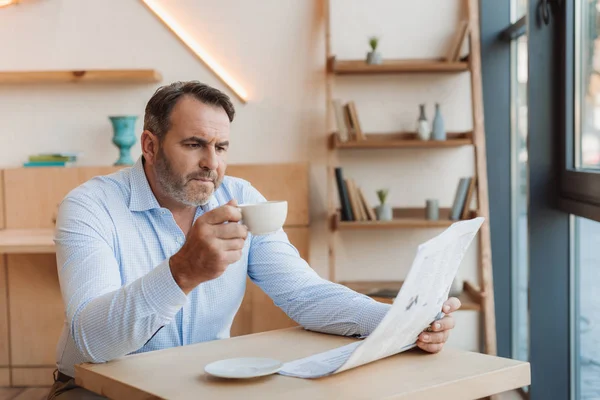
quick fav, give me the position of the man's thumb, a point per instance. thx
(232, 202)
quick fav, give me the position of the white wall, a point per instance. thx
(276, 50)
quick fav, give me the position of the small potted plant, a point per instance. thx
(374, 57)
(383, 210)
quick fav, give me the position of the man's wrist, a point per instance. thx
(179, 266)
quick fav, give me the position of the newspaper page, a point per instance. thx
(416, 306)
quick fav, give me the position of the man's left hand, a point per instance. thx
(434, 338)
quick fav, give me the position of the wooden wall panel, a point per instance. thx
(4, 377)
(32, 195)
(2, 211)
(36, 310)
(280, 182)
(32, 376)
(4, 359)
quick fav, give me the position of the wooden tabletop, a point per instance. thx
(178, 373)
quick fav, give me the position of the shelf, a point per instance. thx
(20, 241)
(114, 76)
(403, 140)
(346, 67)
(403, 218)
(470, 298)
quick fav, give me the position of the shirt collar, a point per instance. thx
(142, 198)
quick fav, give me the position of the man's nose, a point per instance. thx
(210, 159)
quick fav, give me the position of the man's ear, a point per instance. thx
(150, 145)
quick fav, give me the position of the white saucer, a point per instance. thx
(246, 367)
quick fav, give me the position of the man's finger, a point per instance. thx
(231, 231)
(233, 256)
(434, 337)
(232, 244)
(226, 213)
(451, 305)
(430, 347)
(443, 324)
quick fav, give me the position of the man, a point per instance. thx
(153, 256)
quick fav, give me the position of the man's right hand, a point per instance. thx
(211, 245)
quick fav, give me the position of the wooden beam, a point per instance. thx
(485, 248)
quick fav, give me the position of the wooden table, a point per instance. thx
(178, 373)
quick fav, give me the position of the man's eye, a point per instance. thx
(193, 145)
(221, 148)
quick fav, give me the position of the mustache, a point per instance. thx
(212, 175)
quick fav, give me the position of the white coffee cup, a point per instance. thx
(263, 218)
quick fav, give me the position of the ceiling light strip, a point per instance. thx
(196, 48)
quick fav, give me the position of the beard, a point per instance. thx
(183, 188)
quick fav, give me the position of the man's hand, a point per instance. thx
(434, 337)
(211, 245)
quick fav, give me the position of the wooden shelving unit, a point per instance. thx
(356, 67)
(470, 298)
(99, 76)
(401, 140)
(408, 218)
(26, 241)
(475, 297)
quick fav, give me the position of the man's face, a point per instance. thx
(192, 158)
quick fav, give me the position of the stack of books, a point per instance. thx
(51, 160)
(354, 205)
(462, 199)
(346, 119)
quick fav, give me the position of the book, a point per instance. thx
(49, 164)
(50, 157)
(346, 210)
(467, 205)
(359, 202)
(370, 212)
(459, 198)
(353, 200)
(355, 123)
(340, 120)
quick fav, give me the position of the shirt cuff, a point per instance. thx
(162, 292)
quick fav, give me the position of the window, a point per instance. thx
(587, 84)
(586, 308)
(519, 203)
(583, 165)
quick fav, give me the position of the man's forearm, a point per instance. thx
(122, 321)
(333, 308)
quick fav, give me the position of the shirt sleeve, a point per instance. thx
(107, 320)
(317, 304)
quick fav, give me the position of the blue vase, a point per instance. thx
(439, 132)
(124, 137)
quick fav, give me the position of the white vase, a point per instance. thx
(374, 57)
(384, 212)
(423, 131)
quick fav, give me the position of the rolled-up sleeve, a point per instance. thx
(107, 320)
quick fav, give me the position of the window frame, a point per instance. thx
(579, 189)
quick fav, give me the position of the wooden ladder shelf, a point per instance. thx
(477, 297)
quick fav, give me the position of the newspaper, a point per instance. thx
(416, 306)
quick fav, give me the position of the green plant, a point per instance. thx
(382, 194)
(373, 42)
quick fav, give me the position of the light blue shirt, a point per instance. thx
(113, 244)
